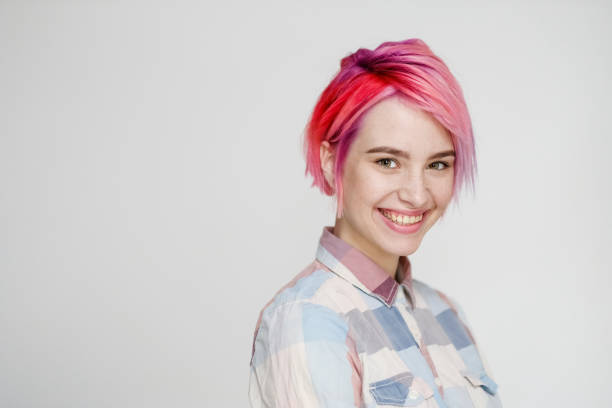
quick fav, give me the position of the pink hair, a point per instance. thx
(408, 68)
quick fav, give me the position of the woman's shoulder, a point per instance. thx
(313, 285)
(306, 286)
(307, 305)
(436, 300)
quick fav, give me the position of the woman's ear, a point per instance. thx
(328, 159)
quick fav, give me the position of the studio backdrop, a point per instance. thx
(153, 197)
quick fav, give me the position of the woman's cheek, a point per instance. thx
(443, 190)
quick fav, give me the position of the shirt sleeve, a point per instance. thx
(303, 356)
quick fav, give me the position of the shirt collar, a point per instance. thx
(356, 267)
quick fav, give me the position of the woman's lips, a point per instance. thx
(403, 229)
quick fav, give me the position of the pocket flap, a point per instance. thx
(481, 380)
(401, 390)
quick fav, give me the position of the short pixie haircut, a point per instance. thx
(407, 68)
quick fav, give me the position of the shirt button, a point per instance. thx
(413, 394)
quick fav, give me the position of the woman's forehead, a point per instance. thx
(400, 125)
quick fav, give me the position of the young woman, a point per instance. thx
(391, 139)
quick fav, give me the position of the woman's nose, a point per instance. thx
(413, 190)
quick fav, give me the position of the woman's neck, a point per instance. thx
(388, 262)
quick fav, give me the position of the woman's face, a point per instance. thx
(397, 180)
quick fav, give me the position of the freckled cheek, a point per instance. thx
(370, 191)
(354, 190)
(442, 191)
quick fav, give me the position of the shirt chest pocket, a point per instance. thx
(481, 381)
(401, 390)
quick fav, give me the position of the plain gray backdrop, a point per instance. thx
(153, 198)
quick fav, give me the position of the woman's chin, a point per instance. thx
(407, 250)
(399, 246)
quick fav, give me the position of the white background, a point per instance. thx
(153, 198)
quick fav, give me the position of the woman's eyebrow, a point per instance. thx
(401, 153)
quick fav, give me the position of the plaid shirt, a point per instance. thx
(343, 333)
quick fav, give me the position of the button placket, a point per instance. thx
(402, 307)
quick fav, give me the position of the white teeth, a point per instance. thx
(402, 219)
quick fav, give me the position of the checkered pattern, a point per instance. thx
(343, 333)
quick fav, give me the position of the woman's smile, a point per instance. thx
(402, 217)
(403, 224)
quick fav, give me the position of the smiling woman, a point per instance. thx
(391, 139)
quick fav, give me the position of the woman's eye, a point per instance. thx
(389, 163)
(439, 165)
